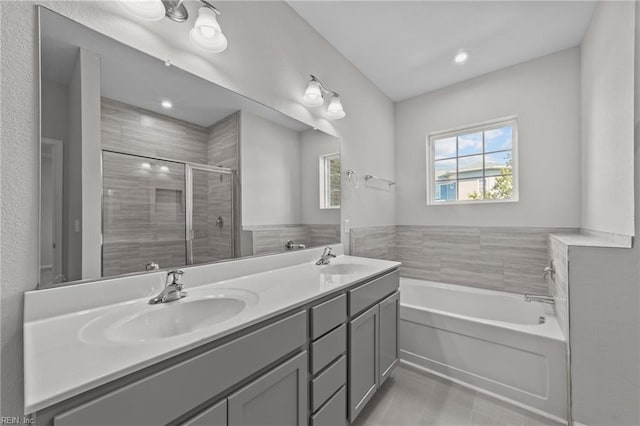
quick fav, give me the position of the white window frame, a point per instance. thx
(487, 125)
(325, 181)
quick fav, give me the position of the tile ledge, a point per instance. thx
(588, 238)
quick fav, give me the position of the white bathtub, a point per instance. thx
(490, 341)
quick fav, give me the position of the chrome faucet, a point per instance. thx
(290, 245)
(152, 266)
(172, 291)
(539, 298)
(325, 259)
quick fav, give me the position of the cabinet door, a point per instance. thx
(363, 360)
(213, 416)
(388, 335)
(277, 398)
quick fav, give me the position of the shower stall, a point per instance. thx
(164, 211)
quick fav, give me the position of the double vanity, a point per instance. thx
(268, 340)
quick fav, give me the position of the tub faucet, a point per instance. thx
(549, 271)
(172, 291)
(325, 259)
(539, 298)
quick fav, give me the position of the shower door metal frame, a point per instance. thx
(189, 168)
(188, 195)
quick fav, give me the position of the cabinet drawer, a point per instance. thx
(334, 412)
(325, 385)
(213, 416)
(199, 379)
(372, 292)
(328, 315)
(328, 348)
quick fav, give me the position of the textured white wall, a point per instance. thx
(271, 51)
(544, 94)
(19, 179)
(607, 119)
(270, 164)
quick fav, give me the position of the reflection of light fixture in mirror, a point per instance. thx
(206, 32)
(147, 10)
(166, 104)
(314, 97)
(313, 94)
(335, 110)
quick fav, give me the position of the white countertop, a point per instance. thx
(60, 362)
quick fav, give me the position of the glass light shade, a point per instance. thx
(206, 32)
(147, 10)
(313, 94)
(335, 110)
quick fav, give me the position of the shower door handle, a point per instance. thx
(220, 222)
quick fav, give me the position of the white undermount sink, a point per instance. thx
(343, 269)
(148, 323)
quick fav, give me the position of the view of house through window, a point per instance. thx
(473, 164)
(330, 181)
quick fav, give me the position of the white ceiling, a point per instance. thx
(132, 77)
(407, 47)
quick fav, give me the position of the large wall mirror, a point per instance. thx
(146, 166)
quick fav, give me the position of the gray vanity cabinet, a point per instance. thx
(213, 416)
(277, 398)
(373, 338)
(388, 334)
(363, 360)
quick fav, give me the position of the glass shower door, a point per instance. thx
(143, 213)
(211, 214)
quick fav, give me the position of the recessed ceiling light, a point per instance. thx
(461, 57)
(146, 165)
(164, 168)
(166, 104)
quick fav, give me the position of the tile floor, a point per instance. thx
(409, 398)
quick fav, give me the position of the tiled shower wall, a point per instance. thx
(141, 132)
(496, 258)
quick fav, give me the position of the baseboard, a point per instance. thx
(427, 371)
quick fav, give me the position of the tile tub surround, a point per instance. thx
(559, 282)
(496, 258)
(280, 283)
(377, 242)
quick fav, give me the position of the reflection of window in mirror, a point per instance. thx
(330, 181)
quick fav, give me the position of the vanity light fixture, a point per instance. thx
(166, 104)
(147, 10)
(314, 96)
(206, 32)
(461, 57)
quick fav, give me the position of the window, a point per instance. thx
(473, 164)
(330, 181)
